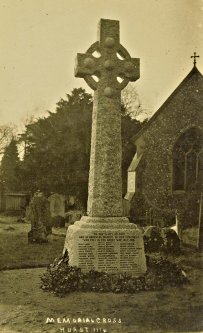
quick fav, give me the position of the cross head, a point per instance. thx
(113, 67)
(194, 56)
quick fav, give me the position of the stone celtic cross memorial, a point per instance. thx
(104, 240)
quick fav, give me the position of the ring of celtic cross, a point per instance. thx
(114, 68)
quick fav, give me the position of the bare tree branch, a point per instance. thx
(6, 134)
(132, 103)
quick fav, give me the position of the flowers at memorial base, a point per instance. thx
(61, 279)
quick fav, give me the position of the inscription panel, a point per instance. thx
(110, 251)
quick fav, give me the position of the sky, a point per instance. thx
(39, 40)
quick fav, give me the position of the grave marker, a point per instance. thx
(57, 205)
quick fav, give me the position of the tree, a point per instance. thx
(57, 150)
(6, 134)
(9, 170)
(132, 103)
(134, 117)
(58, 147)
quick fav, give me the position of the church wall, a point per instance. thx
(140, 145)
(181, 111)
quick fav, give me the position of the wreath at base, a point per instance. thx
(61, 279)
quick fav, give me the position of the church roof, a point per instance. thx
(193, 72)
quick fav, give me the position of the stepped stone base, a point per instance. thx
(108, 244)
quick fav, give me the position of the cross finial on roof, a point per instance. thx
(194, 56)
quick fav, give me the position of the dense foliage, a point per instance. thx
(10, 167)
(61, 278)
(57, 148)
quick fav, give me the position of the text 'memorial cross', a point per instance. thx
(114, 67)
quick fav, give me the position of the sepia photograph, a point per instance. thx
(101, 166)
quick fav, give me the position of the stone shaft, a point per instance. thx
(105, 183)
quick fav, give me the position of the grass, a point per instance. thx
(24, 306)
(17, 253)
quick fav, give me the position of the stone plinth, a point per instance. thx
(111, 245)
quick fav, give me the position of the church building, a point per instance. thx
(165, 176)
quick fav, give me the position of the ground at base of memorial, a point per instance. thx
(25, 307)
(17, 253)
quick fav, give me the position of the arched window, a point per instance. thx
(188, 161)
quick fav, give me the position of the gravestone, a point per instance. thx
(57, 209)
(57, 205)
(39, 216)
(72, 216)
(71, 201)
(104, 240)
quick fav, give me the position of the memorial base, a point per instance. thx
(111, 244)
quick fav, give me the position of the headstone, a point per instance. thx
(57, 210)
(104, 240)
(57, 205)
(73, 216)
(39, 216)
(71, 201)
